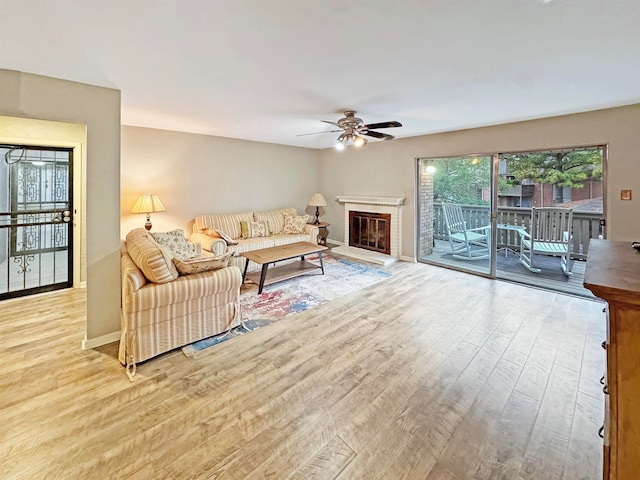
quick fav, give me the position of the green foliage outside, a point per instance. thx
(463, 180)
(569, 169)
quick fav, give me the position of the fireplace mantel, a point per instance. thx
(367, 200)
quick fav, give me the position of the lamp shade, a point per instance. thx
(147, 203)
(317, 200)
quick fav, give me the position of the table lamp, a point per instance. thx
(147, 203)
(317, 200)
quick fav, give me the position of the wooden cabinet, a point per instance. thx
(613, 274)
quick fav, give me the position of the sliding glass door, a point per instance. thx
(562, 179)
(474, 213)
(454, 212)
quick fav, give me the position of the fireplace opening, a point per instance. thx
(371, 231)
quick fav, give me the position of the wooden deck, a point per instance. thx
(508, 267)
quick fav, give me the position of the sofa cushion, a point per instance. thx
(155, 262)
(295, 224)
(274, 218)
(250, 244)
(202, 263)
(175, 241)
(254, 229)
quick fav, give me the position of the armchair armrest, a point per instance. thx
(524, 234)
(477, 229)
(211, 244)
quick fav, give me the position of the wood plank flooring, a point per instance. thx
(430, 374)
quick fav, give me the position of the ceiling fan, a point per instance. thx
(353, 128)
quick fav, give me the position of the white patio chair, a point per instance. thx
(466, 243)
(549, 234)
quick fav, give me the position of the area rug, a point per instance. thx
(297, 295)
(246, 327)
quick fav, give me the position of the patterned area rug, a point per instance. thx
(248, 326)
(296, 295)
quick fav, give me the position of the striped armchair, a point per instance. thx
(161, 310)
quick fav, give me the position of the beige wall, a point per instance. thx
(30, 96)
(388, 168)
(196, 174)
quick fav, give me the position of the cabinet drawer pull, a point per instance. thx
(605, 389)
(601, 432)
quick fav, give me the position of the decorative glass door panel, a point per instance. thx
(35, 220)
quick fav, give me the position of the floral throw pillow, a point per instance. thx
(254, 229)
(202, 264)
(177, 243)
(295, 224)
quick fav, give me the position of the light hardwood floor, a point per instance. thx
(430, 374)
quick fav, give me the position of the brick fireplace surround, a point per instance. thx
(388, 205)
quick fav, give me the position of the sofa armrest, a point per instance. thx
(313, 231)
(211, 244)
(132, 278)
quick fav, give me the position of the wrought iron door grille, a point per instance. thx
(35, 229)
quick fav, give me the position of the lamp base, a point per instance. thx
(147, 224)
(317, 216)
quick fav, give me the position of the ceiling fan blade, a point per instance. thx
(332, 123)
(315, 133)
(384, 136)
(383, 125)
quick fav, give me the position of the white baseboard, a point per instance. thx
(101, 340)
(404, 258)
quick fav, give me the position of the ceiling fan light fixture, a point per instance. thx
(341, 143)
(359, 141)
(355, 129)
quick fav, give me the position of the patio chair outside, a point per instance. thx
(549, 234)
(466, 243)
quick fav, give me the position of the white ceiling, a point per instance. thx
(268, 70)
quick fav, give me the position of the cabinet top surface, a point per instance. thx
(613, 271)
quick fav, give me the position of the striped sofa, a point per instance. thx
(162, 310)
(229, 224)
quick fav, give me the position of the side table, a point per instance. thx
(324, 232)
(510, 228)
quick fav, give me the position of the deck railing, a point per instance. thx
(586, 225)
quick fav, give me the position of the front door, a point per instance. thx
(35, 220)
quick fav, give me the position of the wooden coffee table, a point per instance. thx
(266, 256)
